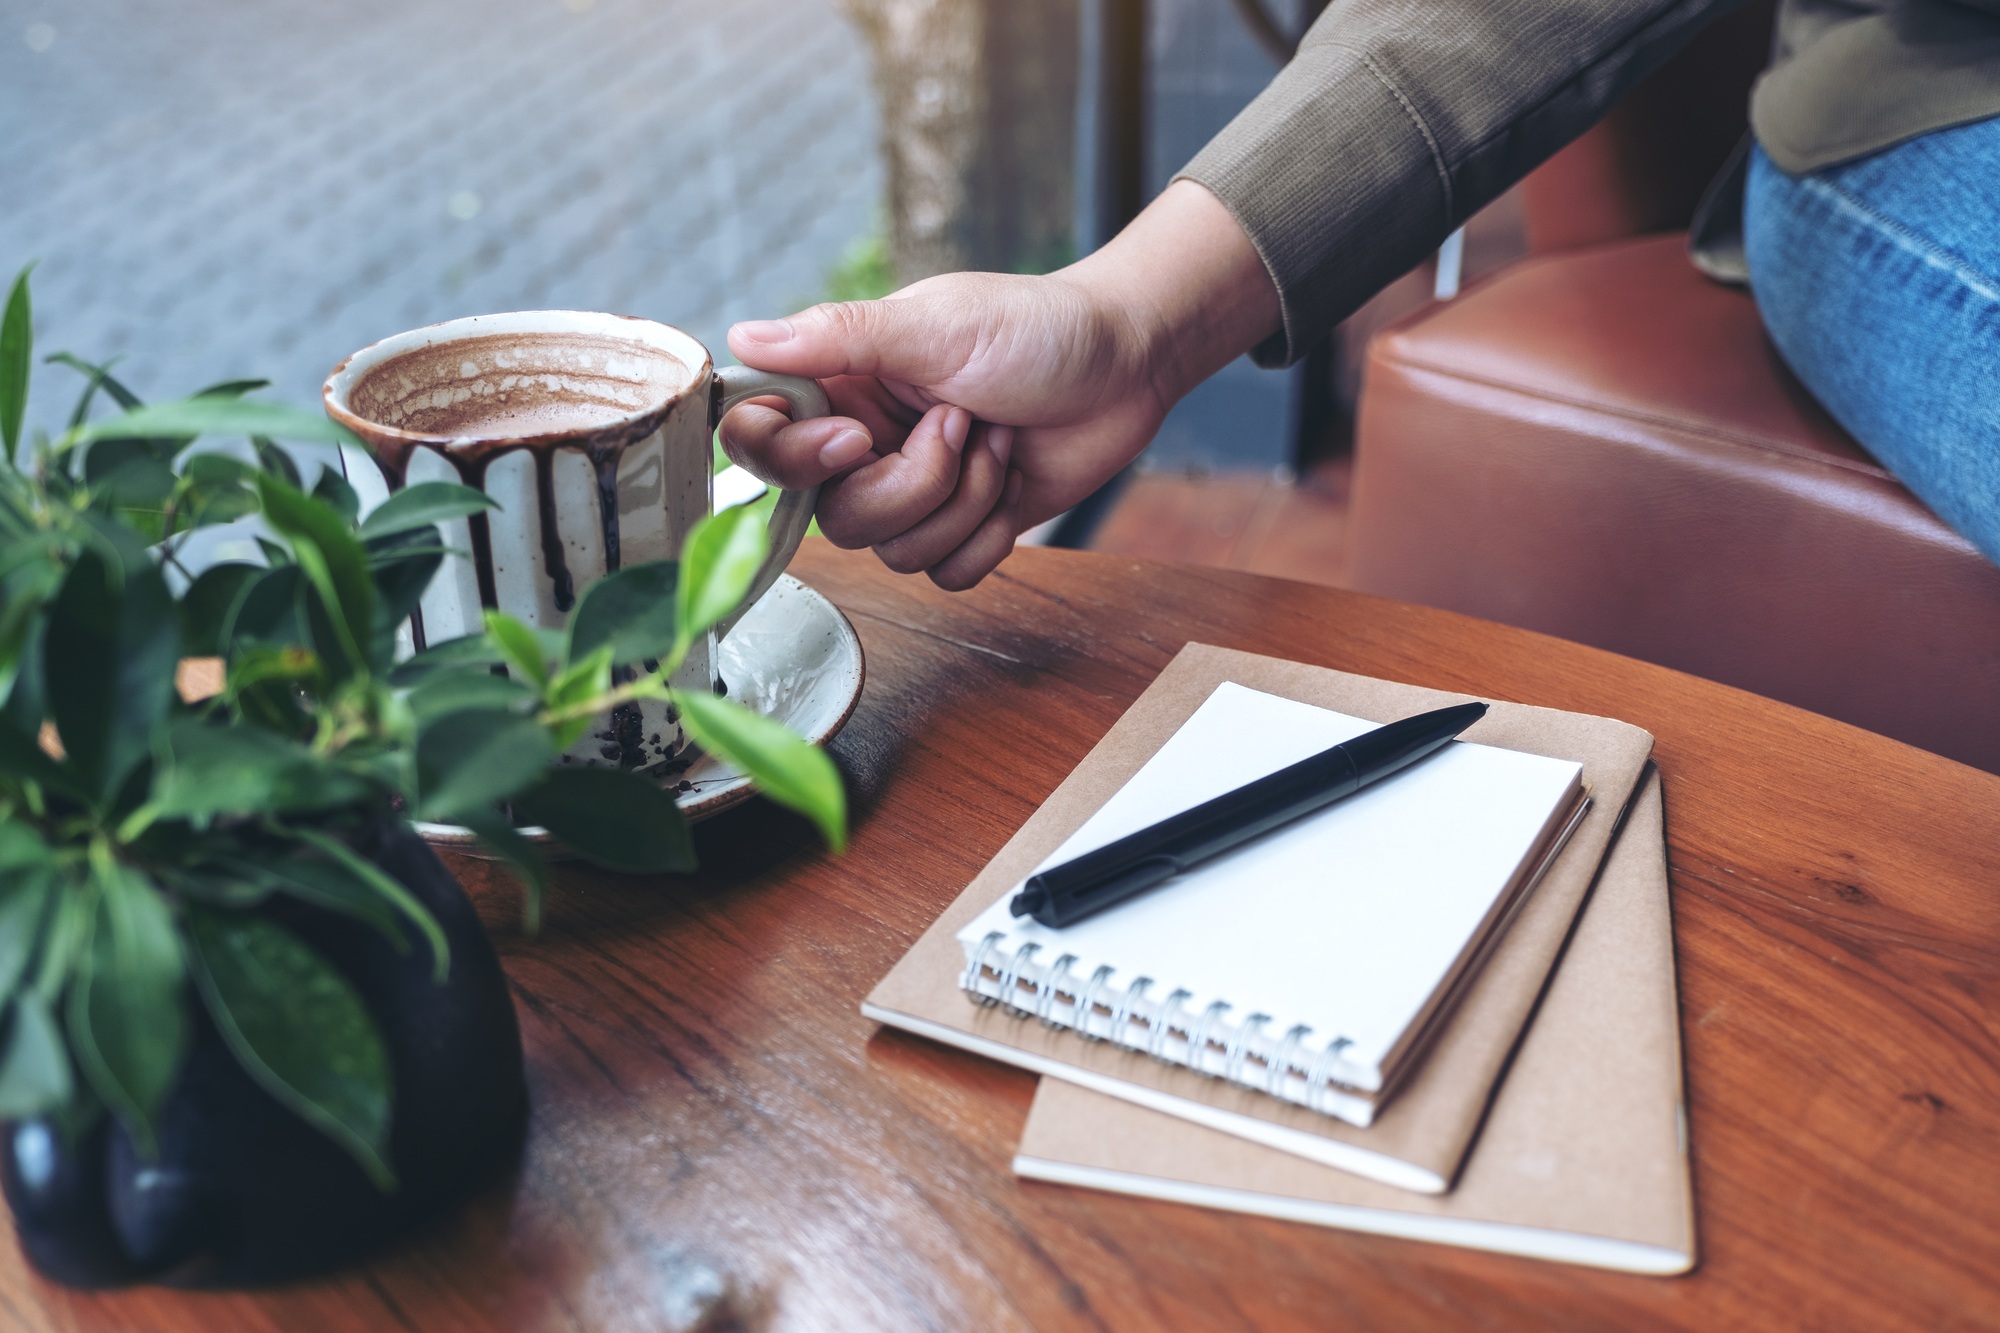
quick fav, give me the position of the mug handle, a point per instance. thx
(793, 515)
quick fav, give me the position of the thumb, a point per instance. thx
(908, 339)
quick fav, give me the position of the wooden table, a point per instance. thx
(712, 1114)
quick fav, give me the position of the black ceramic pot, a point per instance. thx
(242, 1191)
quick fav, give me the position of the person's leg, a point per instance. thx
(1879, 281)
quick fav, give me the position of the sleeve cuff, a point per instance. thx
(1328, 153)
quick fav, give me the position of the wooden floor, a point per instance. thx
(1294, 530)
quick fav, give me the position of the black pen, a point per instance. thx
(1065, 894)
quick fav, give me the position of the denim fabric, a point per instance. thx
(1879, 281)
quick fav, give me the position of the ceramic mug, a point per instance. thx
(591, 432)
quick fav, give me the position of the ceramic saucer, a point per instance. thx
(792, 657)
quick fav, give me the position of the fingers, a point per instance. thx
(759, 436)
(895, 492)
(990, 543)
(942, 501)
(981, 478)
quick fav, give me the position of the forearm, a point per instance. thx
(1183, 287)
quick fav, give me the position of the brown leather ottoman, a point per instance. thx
(1602, 445)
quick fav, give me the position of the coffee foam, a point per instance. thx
(514, 386)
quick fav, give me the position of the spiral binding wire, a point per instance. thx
(1010, 977)
(1051, 990)
(1169, 1015)
(1163, 1022)
(977, 968)
(1283, 1064)
(1246, 1032)
(1086, 1007)
(1136, 991)
(1197, 1052)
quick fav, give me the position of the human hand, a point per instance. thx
(972, 406)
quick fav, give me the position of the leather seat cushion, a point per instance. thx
(1602, 445)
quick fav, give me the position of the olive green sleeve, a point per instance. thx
(1398, 119)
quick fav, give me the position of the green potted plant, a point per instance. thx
(249, 1025)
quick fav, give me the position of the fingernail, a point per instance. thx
(1000, 439)
(764, 330)
(957, 425)
(843, 448)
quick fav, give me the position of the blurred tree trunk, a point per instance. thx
(978, 106)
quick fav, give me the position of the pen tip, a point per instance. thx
(1026, 901)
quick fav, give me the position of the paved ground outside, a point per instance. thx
(226, 188)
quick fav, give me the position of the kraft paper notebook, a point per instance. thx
(1583, 1156)
(1419, 1137)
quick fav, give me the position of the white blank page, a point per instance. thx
(1346, 921)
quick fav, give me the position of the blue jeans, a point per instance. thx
(1879, 281)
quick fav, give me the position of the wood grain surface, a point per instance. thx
(721, 1141)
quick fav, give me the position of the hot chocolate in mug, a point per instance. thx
(591, 432)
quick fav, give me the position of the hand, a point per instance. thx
(972, 406)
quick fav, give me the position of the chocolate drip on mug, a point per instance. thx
(605, 457)
(562, 587)
(471, 458)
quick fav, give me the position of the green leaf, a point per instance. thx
(402, 565)
(21, 757)
(189, 417)
(332, 558)
(275, 460)
(631, 610)
(325, 885)
(106, 458)
(98, 377)
(468, 760)
(298, 1027)
(517, 854)
(391, 890)
(34, 1070)
(139, 483)
(611, 817)
(215, 488)
(424, 505)
(456, 690)
(17, 350)
(718, 563)
(266, 612)
(216, 469)
(333, 491)
(787, 769)
(266, 685)
(24, 905)
(203, 771)
(518, 646)
(471, 650)
(20, 847)
(206, 605)
(578, 683)
(127, 1026)
(23, 617)
(111, 651)
(231, 389)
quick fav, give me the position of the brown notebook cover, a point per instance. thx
(1420, 1137)
(1582, 1157)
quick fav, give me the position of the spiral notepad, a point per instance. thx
(1311, 964)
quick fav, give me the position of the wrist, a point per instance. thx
(1183, 288)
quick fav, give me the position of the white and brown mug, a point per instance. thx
(592, 434)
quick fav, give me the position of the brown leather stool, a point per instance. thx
(1602, 445)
